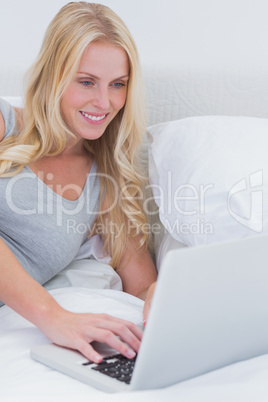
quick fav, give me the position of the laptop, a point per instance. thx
(210, 309)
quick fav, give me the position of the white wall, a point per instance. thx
(169, 33)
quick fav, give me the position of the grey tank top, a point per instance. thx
(43, 229)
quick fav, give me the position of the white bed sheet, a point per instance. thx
(23, 379)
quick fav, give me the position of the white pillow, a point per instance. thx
(209, 177)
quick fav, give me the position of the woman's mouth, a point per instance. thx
(94, 118)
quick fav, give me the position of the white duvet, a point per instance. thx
(23, 379)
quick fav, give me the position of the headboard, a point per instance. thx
(178, 93)
(199, 58)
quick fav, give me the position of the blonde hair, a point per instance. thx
(45, 133)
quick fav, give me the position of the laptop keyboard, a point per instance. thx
(116, 366)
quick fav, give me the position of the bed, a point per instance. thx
(214, 123)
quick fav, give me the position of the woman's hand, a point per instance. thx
(148, 301)
(77, 331)
(28, 298)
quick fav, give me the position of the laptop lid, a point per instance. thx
(210, 309)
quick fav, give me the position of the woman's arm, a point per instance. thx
(138, 275)
(28, 298)
(136, 270)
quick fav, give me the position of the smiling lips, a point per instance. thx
(94, 118)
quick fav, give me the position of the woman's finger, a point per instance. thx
(88, 351)
(120, 326)
(117, 335)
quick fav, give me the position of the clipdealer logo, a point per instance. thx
(254, 218)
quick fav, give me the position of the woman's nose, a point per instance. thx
(102, 98)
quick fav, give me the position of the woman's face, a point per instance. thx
(98, 91)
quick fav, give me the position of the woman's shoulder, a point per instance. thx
(8, 124)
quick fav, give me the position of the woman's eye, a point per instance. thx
(87, 83)
(118, 85)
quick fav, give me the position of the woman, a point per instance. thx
(83, 120)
